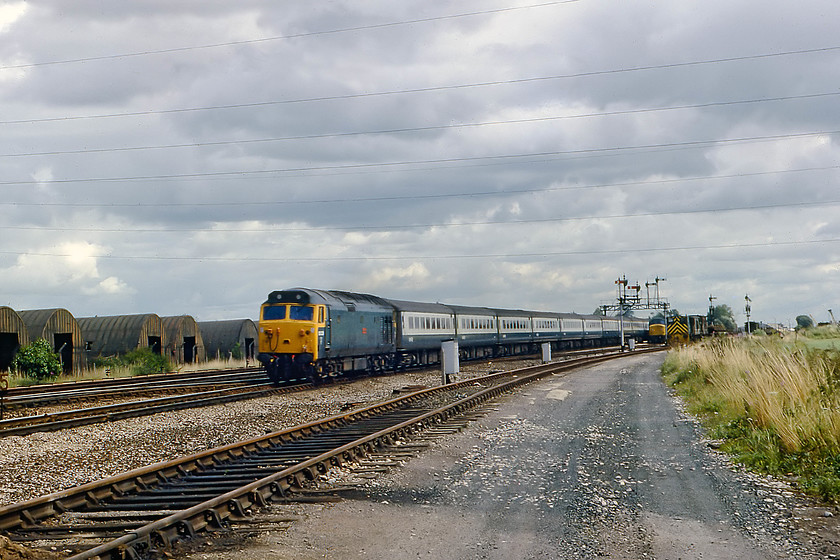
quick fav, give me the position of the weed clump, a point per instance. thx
(138, 362)
(776, 406)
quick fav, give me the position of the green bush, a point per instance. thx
(143, 362)
(37, 361)
(139, 362)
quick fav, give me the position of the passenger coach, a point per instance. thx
(421, 328)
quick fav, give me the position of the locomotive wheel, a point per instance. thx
(311, 373)
(275, 372)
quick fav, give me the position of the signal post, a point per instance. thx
(628, 298)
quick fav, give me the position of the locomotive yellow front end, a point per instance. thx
(291, 331)
(657, 333)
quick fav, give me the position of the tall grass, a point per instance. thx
(217, 364)
(775, 405)
(115, 370)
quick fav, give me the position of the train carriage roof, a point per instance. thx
(544, 314)
(470, 310)
(513, 313)
(571, 316)
(420, 307)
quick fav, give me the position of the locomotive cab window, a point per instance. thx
(274, 312)
(301, 313)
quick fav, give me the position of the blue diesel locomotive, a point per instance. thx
(306, 333)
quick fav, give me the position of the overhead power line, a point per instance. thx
(429, 162)
(391, 227)
(586, 252)
(417, 128)
(363, 200)
(283, 37)
(428, 89)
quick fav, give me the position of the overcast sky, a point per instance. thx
(189, 157)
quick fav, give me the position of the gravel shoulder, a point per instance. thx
(46, 462)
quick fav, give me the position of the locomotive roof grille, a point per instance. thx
(290, 296)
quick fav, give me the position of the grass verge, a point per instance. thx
(129, 369)
(774, 405)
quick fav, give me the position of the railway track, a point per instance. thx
(81, 391)
(53, 421)
(142, 511)
(191, 391)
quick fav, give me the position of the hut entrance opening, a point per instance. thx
(63, 344)
(189, 349)
(155, 344)
(9, 345)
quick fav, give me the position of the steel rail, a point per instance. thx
(235, 503)
(185, 398)
(94, 386)
(53, 421)
(155, 384)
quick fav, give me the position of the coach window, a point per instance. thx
(321, 314)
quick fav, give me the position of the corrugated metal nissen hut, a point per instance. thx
(13, 335)
(118, 334)
(221, 338)
(59, 328)
(184, 344)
